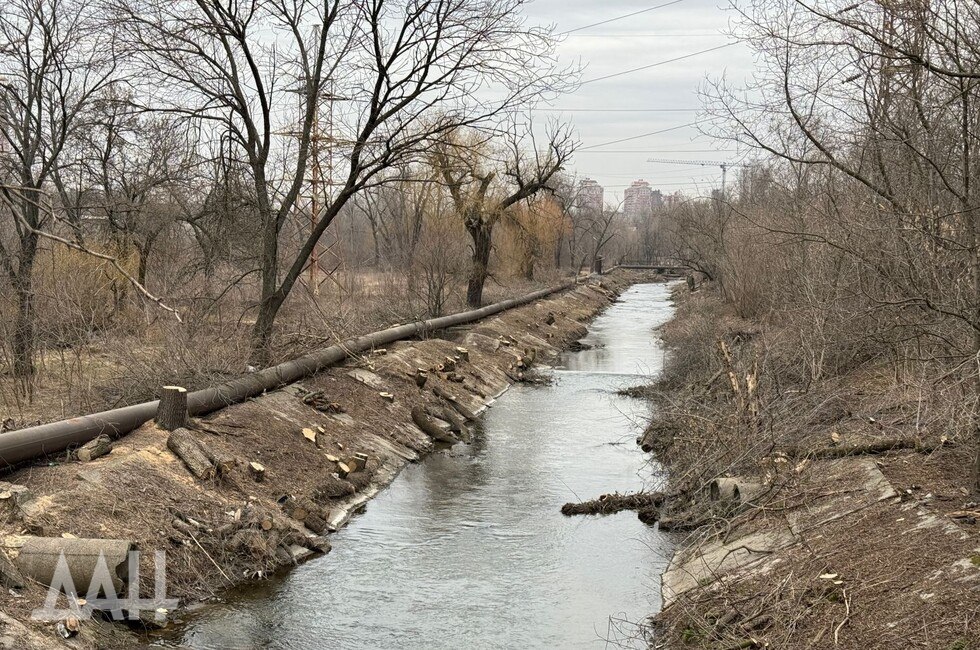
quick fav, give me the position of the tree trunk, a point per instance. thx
(25, 332)
(482, 235)
(144, 249)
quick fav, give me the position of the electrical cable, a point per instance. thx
(629, 15)
(654, 65)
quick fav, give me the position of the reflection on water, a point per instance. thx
(468, 549)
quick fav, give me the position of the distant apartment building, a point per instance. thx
(589, 197)
(640, 200)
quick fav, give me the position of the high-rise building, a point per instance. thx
(589, 196)
(640, 200)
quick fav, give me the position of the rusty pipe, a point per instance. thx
(35, 442)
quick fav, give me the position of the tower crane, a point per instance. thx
(703, 163)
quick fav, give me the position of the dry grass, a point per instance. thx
(83, 368)
(888, 555)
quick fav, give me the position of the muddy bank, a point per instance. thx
(833, 514)
(233, 529)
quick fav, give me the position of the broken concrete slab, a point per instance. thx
(368, 378)
(840, 487)
(713, 559)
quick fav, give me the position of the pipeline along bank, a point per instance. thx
(239, 525)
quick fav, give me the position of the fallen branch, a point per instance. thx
(608, 504)
(876, 447)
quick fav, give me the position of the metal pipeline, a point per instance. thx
(34, 442)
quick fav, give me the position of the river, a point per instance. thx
(468, 549)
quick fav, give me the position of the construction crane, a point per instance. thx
(703, 163)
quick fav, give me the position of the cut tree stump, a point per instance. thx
(172, 410)
(94, 449)
(183, 444)
(13, 498)
(10, 575)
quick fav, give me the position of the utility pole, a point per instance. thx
(322, 141)
(724, 166)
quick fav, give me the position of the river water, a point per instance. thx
(468, 549)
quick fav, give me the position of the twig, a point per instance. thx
(216, 565)
(847, 617)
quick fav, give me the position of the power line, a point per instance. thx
(635, 35)
(658, 63)
(612, 20)
(655, 185)
(619, 110)
(676, 173)
(637, 137)
(660, 151)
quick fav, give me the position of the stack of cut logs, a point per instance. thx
(306, 511)
(204, 462)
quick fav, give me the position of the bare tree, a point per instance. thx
(871, 109)
(482, 193)
(130, 172)
(409, 73)
(54, 61)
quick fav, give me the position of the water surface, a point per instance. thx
(468, 549)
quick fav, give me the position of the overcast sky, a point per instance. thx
(682, 28)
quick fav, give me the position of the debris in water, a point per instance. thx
(608, 504)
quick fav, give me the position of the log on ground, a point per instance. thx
(454, 402)
(880, 446)
(94, 449)
(431, 428)
(185, 447)
(223, 463)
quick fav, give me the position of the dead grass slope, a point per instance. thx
(858, 530)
